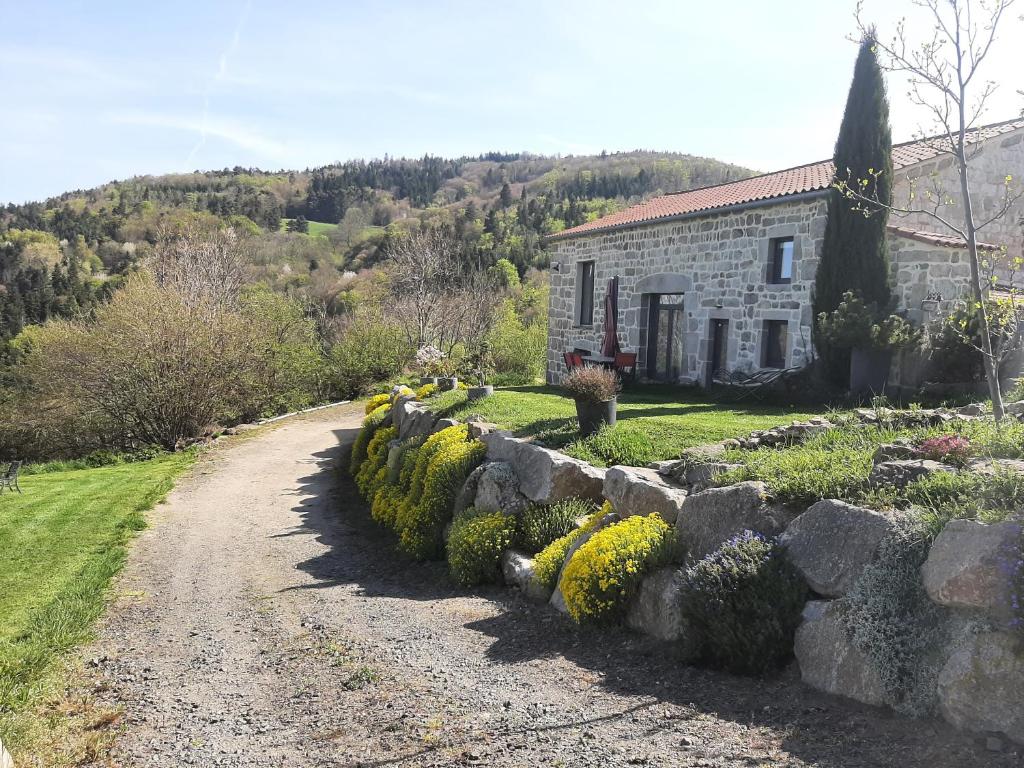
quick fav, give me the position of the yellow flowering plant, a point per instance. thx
(607, 570)
(549, 561)
(475, 545)
(377, 401)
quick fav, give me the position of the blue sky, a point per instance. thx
(105, 90)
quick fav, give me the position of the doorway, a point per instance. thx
(718, 351)
(665, 337)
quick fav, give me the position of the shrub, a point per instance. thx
(591, 383)
(426, 391)
(549, 561)
(952, 449)
(539, 525)
(619, 444)
(518, 349)
(389, 496)
(606, 571)
(891, 620)
(745, 602)
(475, 545)
(367, 479)
(369, 350)
(377, 401)
(371, 423)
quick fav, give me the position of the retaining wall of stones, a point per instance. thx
(968, 574)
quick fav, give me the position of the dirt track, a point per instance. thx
(264, 621)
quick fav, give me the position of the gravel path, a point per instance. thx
(262, 620)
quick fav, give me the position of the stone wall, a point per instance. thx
(997, 158)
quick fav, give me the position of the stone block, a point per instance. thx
(970, 565)
(6, 761)
(640, 491)
(902, 472)
(497, 490)
(827, 659)
(980, 687)
(545, 476)
(655, 610)
(710, 518)
(832, 542)
(517, 568)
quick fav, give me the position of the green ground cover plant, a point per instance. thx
(654, 423)
(64, 539)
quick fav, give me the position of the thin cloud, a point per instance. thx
(227, 130)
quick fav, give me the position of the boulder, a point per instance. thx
(414, 419)
(497, 490)
(970, 565)
(829, 661)
(557, 599)
(996, 466)
(1015, 408)
(710, 518)
(466, 497)
(444, 424)
(902, 472)
(974, 409)
(895, 451)
(544, 475)
(6, 761)
(980, 686)
(655, 610)
(478, 428)
(518, 571)
(394, 462)
(832, 542)
(639, 491)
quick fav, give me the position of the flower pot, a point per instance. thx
(428, 380)
(446, 383)
(869, 371)
(475, 393)
(594, 415)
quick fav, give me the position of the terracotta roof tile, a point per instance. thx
(935, 238)
(814, 177)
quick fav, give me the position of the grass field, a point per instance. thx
(315, 227)
(62, 541)
(654, 423)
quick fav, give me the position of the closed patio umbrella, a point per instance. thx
(610, 344)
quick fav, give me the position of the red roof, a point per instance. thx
(934, 238)
(814, 177)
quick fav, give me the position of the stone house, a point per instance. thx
(721, 277)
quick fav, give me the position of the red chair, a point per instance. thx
(572, 360)
(625, 364)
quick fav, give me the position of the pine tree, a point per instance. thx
(854, 255)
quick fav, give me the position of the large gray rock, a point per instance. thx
(898, 450)
(832, 542)
(639, 491)
(701, 476)
(413, 419)
(497, 490)
(710, 518)
(901, 472)
(557, 598)
(970, 565)
(394, 462)
(466, 496)
(518, 571)
(6, 761)
(656, 610)
(545, 476)
(829, 661)
(981, 687)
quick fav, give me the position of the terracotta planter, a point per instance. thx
(428, 380)
(592, 416)
(447, 383)
(475, 393)
(869, 371)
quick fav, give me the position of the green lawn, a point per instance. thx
(654, 423)
(62, 541)
(315, 227)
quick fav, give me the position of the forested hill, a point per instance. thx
(62, 254)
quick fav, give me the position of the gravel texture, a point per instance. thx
(263, 620)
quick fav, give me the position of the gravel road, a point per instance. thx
(262, 620)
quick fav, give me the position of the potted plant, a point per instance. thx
(446, 369)
(480, 362)
(595, 391)
(871, 336)
(427, 359)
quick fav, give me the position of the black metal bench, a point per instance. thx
(9, 479)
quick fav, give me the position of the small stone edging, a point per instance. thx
(981, 673)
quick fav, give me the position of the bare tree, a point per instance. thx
(207, 267)
(943, 73)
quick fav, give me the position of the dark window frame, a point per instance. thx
(771, 342)
(775, 260)
(586, 293)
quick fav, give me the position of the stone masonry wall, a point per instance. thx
(997, 158)
(721, 263)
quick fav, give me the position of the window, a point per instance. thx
(775, 339)
(780, 260)
(585, 293)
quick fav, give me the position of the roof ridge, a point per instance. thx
(745, 178)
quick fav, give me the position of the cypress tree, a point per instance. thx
(854, 255)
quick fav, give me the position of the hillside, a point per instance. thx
(63, 254)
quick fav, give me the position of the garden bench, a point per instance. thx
(9, 479)
(756, 384)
